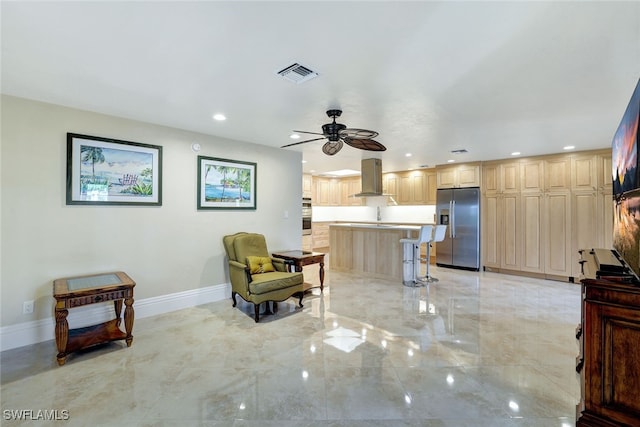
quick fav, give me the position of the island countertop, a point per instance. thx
(371, 249)
(377, 225)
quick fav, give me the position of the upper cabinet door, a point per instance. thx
(490, 178)
(605, 171)
(307, 185)
(468, 176)
(557, 174)
(461, 176)
(446, 178)
(532, 176)
(510, 177)
(584, 174)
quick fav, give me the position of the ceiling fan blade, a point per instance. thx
(331, 148)
(301, 142)
(358, 133)
(311, 133)
(364, 144)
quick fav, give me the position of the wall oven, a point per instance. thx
(306, 216)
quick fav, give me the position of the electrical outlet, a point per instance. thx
(27, 307)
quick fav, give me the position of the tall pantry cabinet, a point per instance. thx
(537, 212)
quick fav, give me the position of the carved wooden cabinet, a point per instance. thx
(609, 363)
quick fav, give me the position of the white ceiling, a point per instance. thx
(430, 77)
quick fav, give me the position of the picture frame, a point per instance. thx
(226, 184)
(104, 171)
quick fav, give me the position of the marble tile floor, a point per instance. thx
(474, 349)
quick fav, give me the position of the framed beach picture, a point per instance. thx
(103, 171)
(226, 184)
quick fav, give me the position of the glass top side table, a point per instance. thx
(71, 292)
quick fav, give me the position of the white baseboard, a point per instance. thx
(36, 331)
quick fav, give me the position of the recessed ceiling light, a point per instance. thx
(304, 161)
(515, 153)
(569, 147)
(219, 117)
(450, 161)
(294, 136)
(408, 155)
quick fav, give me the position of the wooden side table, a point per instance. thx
(302, 258)
(71, 292)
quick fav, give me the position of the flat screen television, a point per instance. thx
(626, 185)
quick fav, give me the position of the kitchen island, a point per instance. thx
(369, 249)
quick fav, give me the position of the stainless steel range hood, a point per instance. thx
(371, 176)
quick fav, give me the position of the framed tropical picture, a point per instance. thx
(226, 184)
(103, 171)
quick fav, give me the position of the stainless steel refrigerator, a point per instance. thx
(459, 209)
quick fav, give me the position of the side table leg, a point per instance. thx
(62, 335)
(117, 305)
(321, 276)
(128, 320)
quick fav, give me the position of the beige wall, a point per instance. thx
(166, 249)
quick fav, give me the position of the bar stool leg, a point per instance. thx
(408, 270)
(428, 278)
(416, 264)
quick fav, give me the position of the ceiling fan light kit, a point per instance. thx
(338, 134)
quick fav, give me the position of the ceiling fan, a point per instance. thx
(336, 134)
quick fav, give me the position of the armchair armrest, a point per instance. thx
(240, 272)
(281, 264)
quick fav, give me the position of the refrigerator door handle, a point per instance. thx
(453, 219)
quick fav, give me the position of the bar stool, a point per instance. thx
(411, 255)
(438, 236)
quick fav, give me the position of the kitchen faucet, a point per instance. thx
(378, 216)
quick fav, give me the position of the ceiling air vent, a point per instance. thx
(297, 73)
(459, 151)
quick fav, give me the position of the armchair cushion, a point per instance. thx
(277, 280)
(259, 264)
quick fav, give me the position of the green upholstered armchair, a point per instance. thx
(255, 275)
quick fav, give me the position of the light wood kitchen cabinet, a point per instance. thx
(432, 186)
(584, 176)
(510, 212)
(416, 187)
(532, 175)
(320, 233)
(490, 174)
(605, 171)
(459, 176)
(537, 212)
(413, 188)
(501, 242)
(327, 191)
(390, 184)
(349, 187)
(491, 230)
(604, 220)
(307, 185)
(584, 223)
(501, 177)
(532, 255)
(557, 173)
(557, 227)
